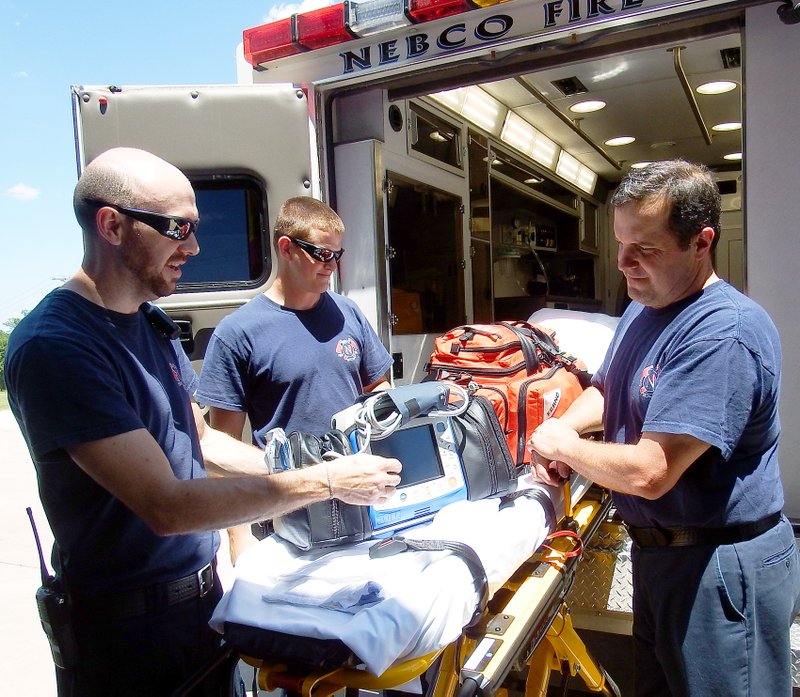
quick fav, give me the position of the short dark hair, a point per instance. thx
(299, 215)
(101, 183)
(688, 188)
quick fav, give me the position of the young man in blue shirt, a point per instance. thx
(295, 355)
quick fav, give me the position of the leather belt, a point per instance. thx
(688, 537)
(149, 600)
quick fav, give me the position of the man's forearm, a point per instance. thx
(585, 414)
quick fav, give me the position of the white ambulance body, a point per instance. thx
(442, 133)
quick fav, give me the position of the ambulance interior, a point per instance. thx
(540, 167)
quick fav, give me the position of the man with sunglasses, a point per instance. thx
(297, 354)
(103, 396)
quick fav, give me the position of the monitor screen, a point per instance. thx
(418, 451)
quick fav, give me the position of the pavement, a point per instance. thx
(26, 666)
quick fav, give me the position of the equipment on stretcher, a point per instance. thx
(412, 424)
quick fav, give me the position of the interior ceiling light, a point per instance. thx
(730, 126)
(621, 140)
(438, 137)
(640, 165)
(717, 87)
(733, 156)
(587, 106)
(534, 180)
(520, 135)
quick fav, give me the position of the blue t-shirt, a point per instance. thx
(707, 366)
(292, 369)
(77, 373)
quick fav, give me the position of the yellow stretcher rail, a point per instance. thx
(525, 631)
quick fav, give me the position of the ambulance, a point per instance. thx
(471, 146)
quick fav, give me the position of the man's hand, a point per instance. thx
(546, 467)
(363, 479)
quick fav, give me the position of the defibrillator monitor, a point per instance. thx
(432, 474)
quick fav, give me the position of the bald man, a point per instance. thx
(104, 400)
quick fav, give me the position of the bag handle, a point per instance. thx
(528, 345)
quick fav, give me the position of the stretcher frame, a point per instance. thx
(523, 636)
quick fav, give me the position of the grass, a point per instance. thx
(3, 399)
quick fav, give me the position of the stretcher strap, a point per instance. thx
(562, 554)
(397, 544)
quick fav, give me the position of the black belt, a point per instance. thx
(687, 537)
(149, 600)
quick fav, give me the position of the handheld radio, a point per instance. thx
(54, 612)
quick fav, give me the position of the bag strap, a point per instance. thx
(397, 544)
(527, 344)
(553, 354)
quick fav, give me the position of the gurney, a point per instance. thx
(316, 623)
(412, 639)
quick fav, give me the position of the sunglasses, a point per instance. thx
(322, 254)
(172, 226)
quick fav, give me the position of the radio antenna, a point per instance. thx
(47, 579)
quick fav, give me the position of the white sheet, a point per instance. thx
(422, 599)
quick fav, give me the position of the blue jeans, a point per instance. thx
(149, 655)
(715, 620)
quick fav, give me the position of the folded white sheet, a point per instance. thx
(390, 609)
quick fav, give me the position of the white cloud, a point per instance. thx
(282, 10)
(22, 192)
(21, 74)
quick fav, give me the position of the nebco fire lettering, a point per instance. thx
(492, 28)
(594, 8)
(417, 45)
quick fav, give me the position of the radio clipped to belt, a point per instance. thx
(55, 612)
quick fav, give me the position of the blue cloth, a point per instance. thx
(77, 373)
(707, 620)
(709, 367)
(292, 369)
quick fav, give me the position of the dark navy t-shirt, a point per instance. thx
(77, 373)
(707, 366)
(292, 369)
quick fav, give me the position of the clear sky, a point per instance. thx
(48, 45)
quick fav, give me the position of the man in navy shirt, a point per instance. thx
(104, 401)
(687, 398)
(298, 353)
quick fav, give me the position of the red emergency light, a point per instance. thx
(427, 10)
(334, 25)
(324, 27)
(270, 41)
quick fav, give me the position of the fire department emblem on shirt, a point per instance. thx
(647, 382)
(347, 350)
(176, 374)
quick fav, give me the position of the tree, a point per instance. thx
(3, 344)
(10, 324)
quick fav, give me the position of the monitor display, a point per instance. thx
(418, 451)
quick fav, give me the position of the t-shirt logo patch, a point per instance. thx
(647, 383)
(176, 374)
(347, 350)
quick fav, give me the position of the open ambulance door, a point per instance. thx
(246, 149)
(408, 243)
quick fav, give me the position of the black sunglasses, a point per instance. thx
(322, 254)
(172, 226)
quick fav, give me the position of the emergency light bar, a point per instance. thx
(345, 21)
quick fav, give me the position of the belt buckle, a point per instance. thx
(205, 579)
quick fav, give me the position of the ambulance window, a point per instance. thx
(234, 245)
(434, 137)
